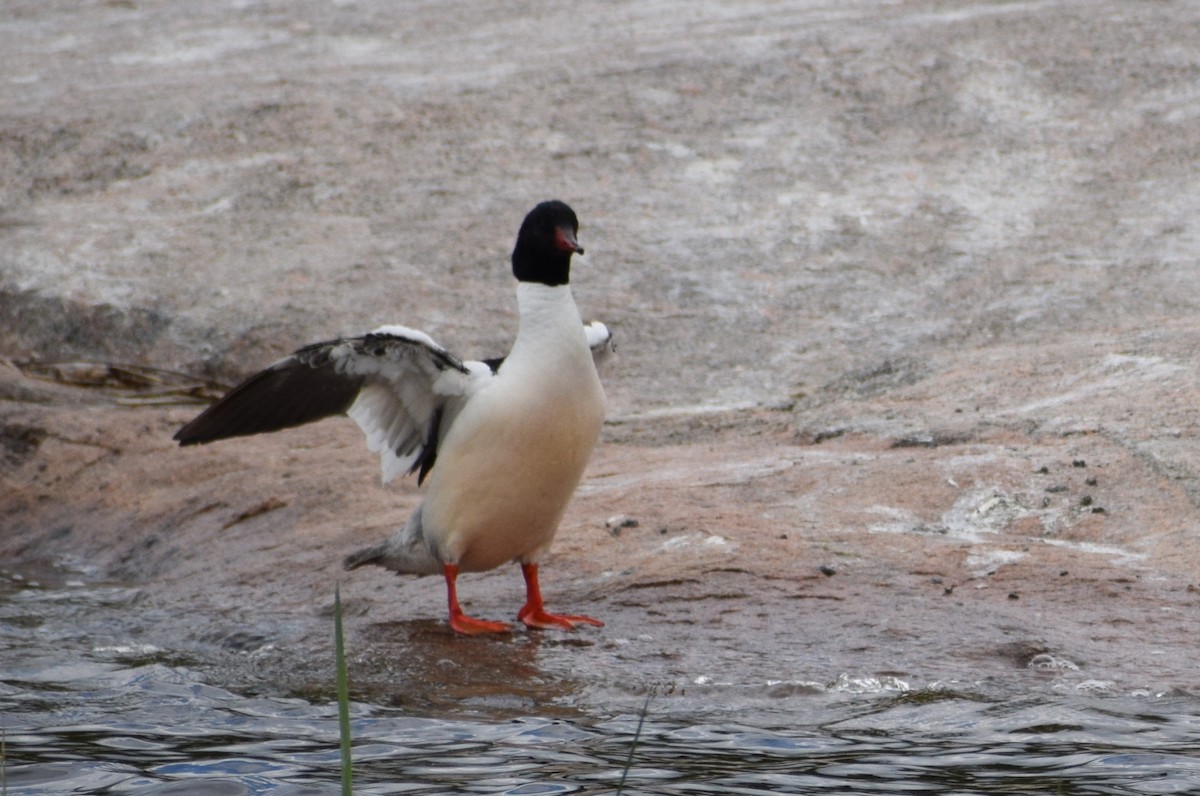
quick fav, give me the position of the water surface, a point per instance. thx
(86, 708)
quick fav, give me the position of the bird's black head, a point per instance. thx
(545, 244)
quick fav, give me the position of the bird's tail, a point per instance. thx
(406, 552)
(368, 555)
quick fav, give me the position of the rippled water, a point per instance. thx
(81, 712)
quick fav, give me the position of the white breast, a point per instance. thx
(511, 461)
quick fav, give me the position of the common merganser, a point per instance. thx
(503, 442)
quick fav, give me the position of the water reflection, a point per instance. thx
(496, 676)
(84, 709)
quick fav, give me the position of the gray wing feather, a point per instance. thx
(396, 383)
(412, 388)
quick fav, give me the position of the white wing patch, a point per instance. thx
(600, 340)
(413, 389)
(409, 391)
(408, 333)
(390, 427)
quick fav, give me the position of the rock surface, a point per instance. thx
(905, 297)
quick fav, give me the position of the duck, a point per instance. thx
(500, 445)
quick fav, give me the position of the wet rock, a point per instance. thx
(19, 442)
(869, 319)
(40, 325)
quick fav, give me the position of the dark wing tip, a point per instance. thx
(298, 390)
(185, 437)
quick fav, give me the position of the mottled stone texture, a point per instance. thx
(905, 297)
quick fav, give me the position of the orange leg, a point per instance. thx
(460, 622)
(534, 614)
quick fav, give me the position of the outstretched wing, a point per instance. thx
(413, 388)
(397, 383)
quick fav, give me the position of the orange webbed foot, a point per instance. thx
(544, 620)
(459, 621)
(470, 626)
(534, 613)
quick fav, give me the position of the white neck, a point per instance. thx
(549, 321)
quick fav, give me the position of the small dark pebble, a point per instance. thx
(783, 536)
(936, 579)
(1086, 500)
(827, 570)
(1091, 481)
(619, 523)
(1054, 490)
(1064, 573)
(1012, 595)
(1098, 510)
(948, 590)
(1079, 463)
(1043, 470)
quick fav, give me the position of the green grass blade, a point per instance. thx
(637, 735)
(343, 693)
